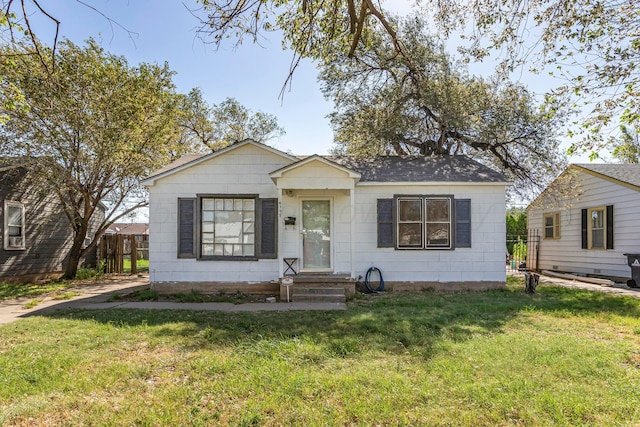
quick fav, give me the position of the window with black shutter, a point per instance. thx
(268, 217)
(385, 223)
(597, 227)
(463, 223)
(186, 228)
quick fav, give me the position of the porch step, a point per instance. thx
(318, 294)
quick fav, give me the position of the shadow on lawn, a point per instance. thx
(392, 323)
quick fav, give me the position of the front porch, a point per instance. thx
(317, 288)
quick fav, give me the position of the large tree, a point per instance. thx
(92, 129)
(424, 103)
(592, 46)
(219, 125)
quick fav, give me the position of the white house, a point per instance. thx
(588, 218)
(230, 219)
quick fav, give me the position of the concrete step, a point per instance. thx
(318, 294)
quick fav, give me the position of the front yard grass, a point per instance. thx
(560, 357)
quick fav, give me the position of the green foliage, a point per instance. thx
(562, 357)
(591, 46)
(217, 126)
(88, 273)
(516, 227)
(91, 130)
(424, 103)
(520, 250)
(627, 149)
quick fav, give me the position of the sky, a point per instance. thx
(165, 30)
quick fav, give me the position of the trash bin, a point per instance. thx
(634, 262)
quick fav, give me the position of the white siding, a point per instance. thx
(483, 262)
(244, 170)
(566, 253)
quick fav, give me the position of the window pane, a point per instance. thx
(249, 216)
(228, 250)
(237, 250)
(437, 234)
(438, 210)
(207, 237)
(548, 233)
(14, 215)
(14, 231)
(207, 227)
(248, 204)
(207, 249)
(219, 204)
(228, 226)
(248, 250)
(247, 238)
(597, 219)
(218, 250)
(248, 227)
(237, 205)
(548, 221)
(410, 210)
(228, 204)
(207, 204)
(207, 216)
(410, 235)
(597, 237)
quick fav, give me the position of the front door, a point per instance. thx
(316, 235)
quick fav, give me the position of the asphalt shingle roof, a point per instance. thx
(629, 173)
(420, 169)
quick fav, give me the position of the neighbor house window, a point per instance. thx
(552, 225)
(596, 231)
(424, 222)
(14, 229)
(227, 227)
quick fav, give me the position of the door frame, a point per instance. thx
(301, 200)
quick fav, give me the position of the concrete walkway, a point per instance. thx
(96, 295)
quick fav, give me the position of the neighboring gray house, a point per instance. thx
(242, 215)
(588, 218)
(36, 234)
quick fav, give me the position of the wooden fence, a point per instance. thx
(112, 252)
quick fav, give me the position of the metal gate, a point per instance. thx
(533, 249)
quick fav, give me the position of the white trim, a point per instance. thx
(352, 229)
(13, 239)
(280, 229)
(330, 269)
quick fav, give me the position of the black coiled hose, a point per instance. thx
(367, 283)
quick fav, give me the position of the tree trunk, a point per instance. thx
(75, 254)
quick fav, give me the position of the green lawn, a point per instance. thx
(141, 264)
(561, 357)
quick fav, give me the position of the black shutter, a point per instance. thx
(385, 223)
(268, 217)
(610, 227)
(463, 223)
(186, 228)
(585, 244)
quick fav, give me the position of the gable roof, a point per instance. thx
(322, 159)
(625, 174)
(189, 160)
(442, 168)
(129, 228)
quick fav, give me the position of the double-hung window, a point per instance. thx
(14, 226)
(597, 228)
(552, 225)
(597, 236)
(424, 222)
